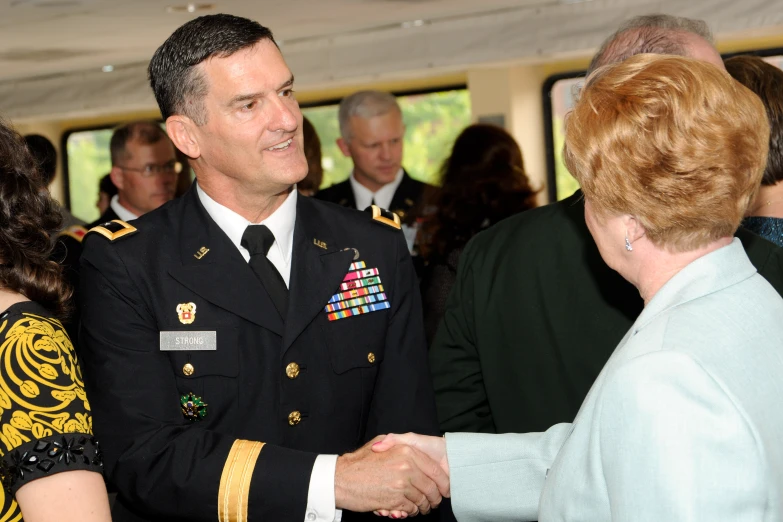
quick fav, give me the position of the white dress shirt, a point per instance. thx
(122, 212)
(383, 197)
(320, 494)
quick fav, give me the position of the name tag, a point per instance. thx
(188, 341)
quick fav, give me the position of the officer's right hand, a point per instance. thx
(401, 479)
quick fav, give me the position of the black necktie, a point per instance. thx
(258, 240)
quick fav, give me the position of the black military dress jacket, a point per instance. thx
(67, 251)
(406, 203)
(209, 434)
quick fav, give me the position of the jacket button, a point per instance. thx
(188, 369)
(294, 418)
(292, 370)
(371, 357)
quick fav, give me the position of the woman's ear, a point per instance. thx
(633, 227)
(182, 132)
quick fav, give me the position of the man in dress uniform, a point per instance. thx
(372, 133)
(144, 170)
(240, 338)
(535, 312)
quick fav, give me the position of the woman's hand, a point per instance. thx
(433, 447)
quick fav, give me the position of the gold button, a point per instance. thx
(292, 370)
(188, 369)
(371, 357)
(294, 418)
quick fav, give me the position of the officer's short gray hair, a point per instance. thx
(365, 105)
(655, 33)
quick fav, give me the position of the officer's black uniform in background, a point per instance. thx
(406, 203)
(305, 387)
(67, 251)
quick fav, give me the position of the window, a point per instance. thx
(559, 96)
(88, 160)
(433, 121)
(562, 95)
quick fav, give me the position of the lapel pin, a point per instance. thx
(201, 252)
(193, 408)
(319, 243)
(355, 253)
(186, 312)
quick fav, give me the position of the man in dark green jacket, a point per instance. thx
(535, 312)
(534, 315)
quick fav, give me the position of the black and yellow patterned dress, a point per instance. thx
(45, 419)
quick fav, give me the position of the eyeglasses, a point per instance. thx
(172, 167)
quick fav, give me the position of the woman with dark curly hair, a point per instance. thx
(484, 181)
(50, 464)
(765, 214)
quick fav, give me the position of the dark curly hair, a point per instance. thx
(483, 182)
(765, 80)
(29, 222)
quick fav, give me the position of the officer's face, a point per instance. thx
(375, 145)
(142, 193)
(253, 132)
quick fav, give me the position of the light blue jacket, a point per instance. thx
(684, 423)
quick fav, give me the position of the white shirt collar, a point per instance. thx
(122, 212)
(281, 223)
(383, 198)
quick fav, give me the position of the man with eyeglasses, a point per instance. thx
(144, 170)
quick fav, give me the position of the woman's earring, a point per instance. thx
(628, 246)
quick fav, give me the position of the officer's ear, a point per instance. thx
(182, 132)
(343, 145)
(117, 177)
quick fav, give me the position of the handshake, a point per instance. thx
(394, 475)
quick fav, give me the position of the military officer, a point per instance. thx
(240, 338)
(372, 134)
(144, 169)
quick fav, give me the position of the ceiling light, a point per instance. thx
(107, 68)
(189, 8)
(414, 23)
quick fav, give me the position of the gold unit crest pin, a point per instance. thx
(186, 312)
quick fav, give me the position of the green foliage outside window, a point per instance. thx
(432, 122)
(88, 162)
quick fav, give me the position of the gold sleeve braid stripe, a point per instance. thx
(235, 480)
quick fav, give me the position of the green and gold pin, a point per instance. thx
(193, 407)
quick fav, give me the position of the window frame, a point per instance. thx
(306, 105)
(546, 96)
(66, 175)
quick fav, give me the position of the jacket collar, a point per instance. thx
(710, 273)
(213, 267)
(318, 267)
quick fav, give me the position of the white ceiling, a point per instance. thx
(52, 51)
(40, 37)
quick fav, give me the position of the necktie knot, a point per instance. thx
(257, 239)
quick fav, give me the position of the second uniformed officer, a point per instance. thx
(239, 338)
